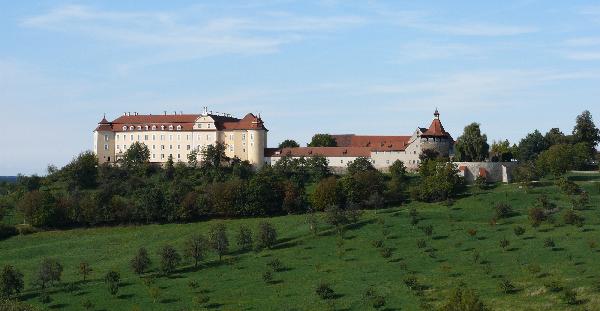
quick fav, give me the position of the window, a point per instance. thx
(199, 125)
(243, 136)
(189, 147)
(387, 162)
(170, 127)
(208, 126)
(153, 147)
(131, 128)
(162, 147)
(170, 137)
(118, 147)
(230, 136)
(178, 147)
(162, 137)
(105, 137)
(124, 128)
(105, 147)
(153, 156)
(117, 136)
(162, 156)
(153, 137)
(341, 161)
(145, 137)
(124, 147)
(178, 156)
(179, 127)
(178, 137)
(251, 136)
(207, 137)
(139, 127)
(153, 127)
(139, 137)
(131, 137)
(187, 137)
(171, 147)
(162, 127)
(230, 148)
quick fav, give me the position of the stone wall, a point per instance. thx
(493, 171)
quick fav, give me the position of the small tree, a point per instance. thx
(536, 216)
(195, 248)
(324, 291)
(503, 210)
(49, 271)
(266, 235)
(570, 297)
(463, 299)
(519, 230)
(504, 243)
(335, 216)
(141, 261)
(112, 280)
(217, 239)
(11, 282)
(244, 238)
(288, 143)
(169, 259)
(322, 140)
(84, 270)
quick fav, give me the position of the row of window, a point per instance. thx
(162, 137)
(153, 127)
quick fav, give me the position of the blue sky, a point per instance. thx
(365, 67)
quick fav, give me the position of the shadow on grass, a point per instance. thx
(58, 306)
(512, 249)
(169, 300)
(214, 306)
(440, 237)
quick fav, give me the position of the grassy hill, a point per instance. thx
(450, 256)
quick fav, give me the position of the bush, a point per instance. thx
(377, 243)
(519, 230)
(567, 186)
(504, 243)
(421, 243)
(6, 231)
(570, 297)
(503, 210)
(275, 264)
(472, 232)
(412, 283)
(267, 276)
(507, 287)
(554, 286)
(112, 280)
(11, 282)
(244, 238)
(140, 262)
(549, 243)
(536, 216)
(572, 218)
(463, 299)
(169, 259)
(386, 252)
(324, 291)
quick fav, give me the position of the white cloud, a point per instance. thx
(434, 50)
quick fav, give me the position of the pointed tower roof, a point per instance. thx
(436, 129)
(104, 125)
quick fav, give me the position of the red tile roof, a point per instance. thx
(186, 121)
(436, 129)
(319, 151)
(377, 143)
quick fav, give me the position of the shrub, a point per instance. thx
(7, 231)
(25, 229)
(49, 271)
(386, 252)
(11, 282)
(554, 286)
(411, 282)
(275, 264)
(195, 248)
(378, 302)
(218, 240)
(536, 216)
(324, 291)
(84, 269)
(472, 232)
(244, 238)
(570, 297)
(88, 305)
(112, 280)
(503, 210)
(267, 276)
(567, 186)
(549, 243)
(519, 230)
(266, 235)
(463, 299)
(480, 182)
(421, 243)
(141, 261)
(169, 259)
(507, 287)
(504, 243)
(572, 218)
(427, 230)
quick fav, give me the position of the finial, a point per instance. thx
(436, 114)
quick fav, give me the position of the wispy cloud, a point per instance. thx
(428, 50)
(179, 36)
(582, 48)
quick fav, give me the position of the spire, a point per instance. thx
(103, 121)
(436, 114)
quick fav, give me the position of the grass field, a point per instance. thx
(236, 283)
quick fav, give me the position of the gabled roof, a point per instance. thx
(319, 151)
(377, 143)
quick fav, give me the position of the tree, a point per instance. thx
(322, 140)
(49, 271)
(82, 172)
(336, 217)
(585, 131)
(244, 238)
(361, 186)
(360, 164)
(327, 193)
(288, 143)
(141, 261)
(531, 146)
(398, 171)
(439, 181)
(501, 151)
(169, 259)
(11, 282)
(195, 248)
(554, 137)
(266, 235)
(40, 209)
(472, 145)
(463, 299)
(213, 155)
(217, 239)
(193, 158)
(293, 198)
(112, 280)
(265, 193)
(84, 269)
(559, 159)
(136, 155)
(170, 168)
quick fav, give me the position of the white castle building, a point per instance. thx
(177, 135)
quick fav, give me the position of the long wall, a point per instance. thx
(493, 171)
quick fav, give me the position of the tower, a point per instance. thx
(436, 138)
(104, 146)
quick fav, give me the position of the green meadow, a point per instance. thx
(463, 249)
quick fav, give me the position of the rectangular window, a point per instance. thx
(105, 137)
(251, 136)
(171, 147)
(230, 148)
(178, 147)
(153, 137)
(178, 156)
(153, 147)
(125, 147)
(230, 136)
(118, 147)
(162, 156)
(139, 137)
(117, 136)
(131, 137)
(170, 137)
(189, 147)
(162, 137)
(162, 147)
(243, 136)
(105, 147)
(207, 137)
(145, 137)
(153, 156)
(178, 137)
(187, 137)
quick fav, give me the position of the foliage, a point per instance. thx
(463, 299)
(112, 280)
(213, 155)
(567, 186)
(561, 158)
(195, 248)
(362, 186)
(360, 164)
(217, 239)
(585, 131)
(11, 282)
(6, 231)
(571, 217)
(325, 291)
(84, 269)
(503, 210)
(82, 171)
(136, 156)
(288, 143)
(471, 146)
(244, 238)
(532, 145)
(439, 181)
(266, 235)
(48, 272)
(141, 261)
(536, 216)
(327, 193)
(501, 151)
(519, 230)
(169, 259)
(322, 140)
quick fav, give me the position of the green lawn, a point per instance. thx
(237, 284)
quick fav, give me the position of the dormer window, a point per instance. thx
(199, 125)
(124, 128)
(162, 127)
(131, 128)
(146, 127)
(170, 127)
(139, 128)
(179, 127)
(153, 127)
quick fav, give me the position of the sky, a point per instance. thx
(364, 67)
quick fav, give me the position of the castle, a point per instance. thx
(177, 135)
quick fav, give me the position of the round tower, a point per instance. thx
(257, 143)
(436, 138)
